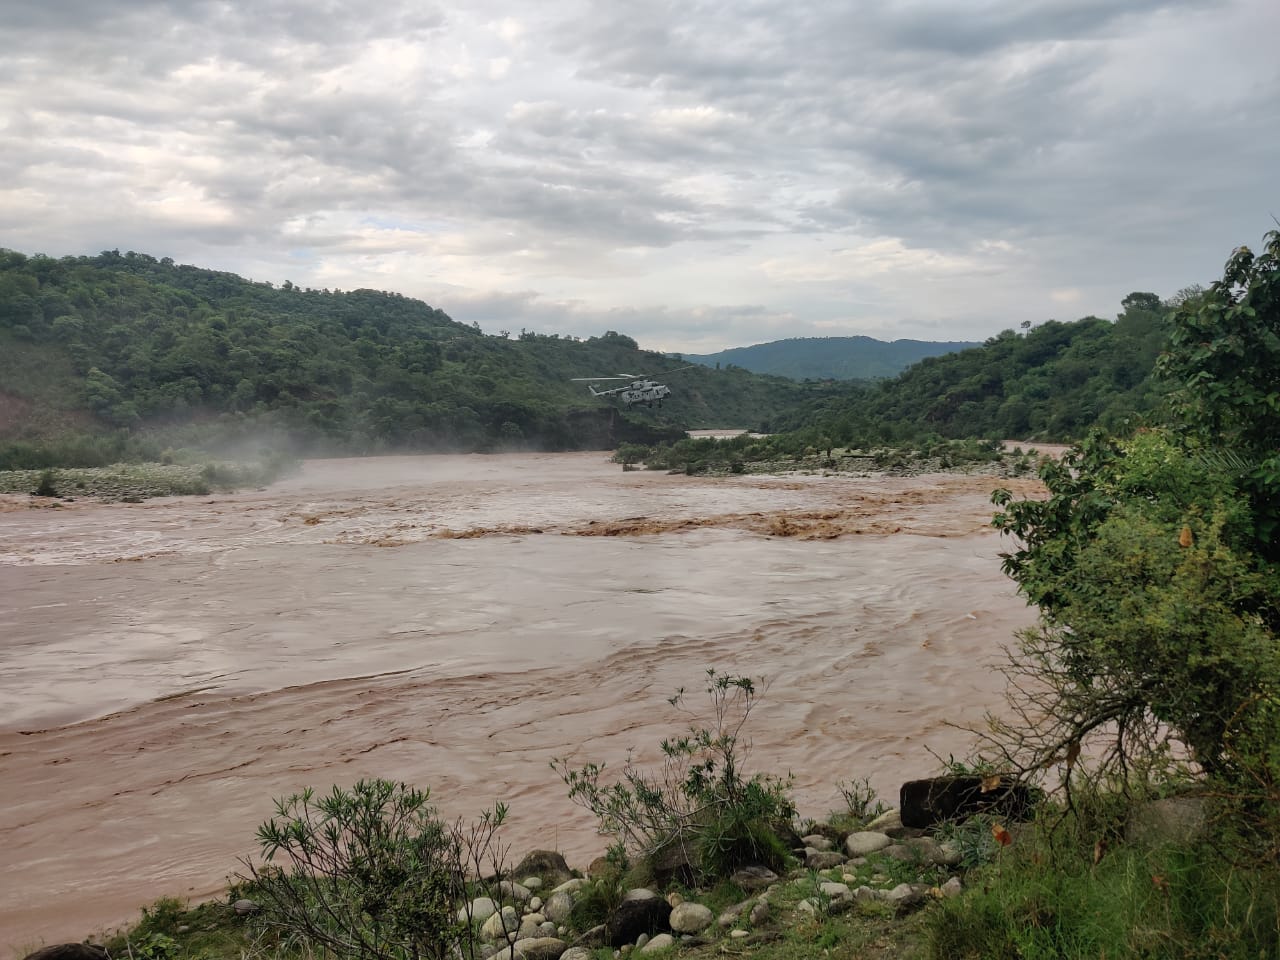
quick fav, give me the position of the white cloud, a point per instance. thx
(700, 176)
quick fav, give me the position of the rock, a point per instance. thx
(754, 877)
(548, 865)
(533, 883)
(907, 898)
(690, 918)
(823, 859)
(535, 903)
(500, 949)
(639, 893)
(500, 924)
(577, 953)
(938, 799)
(592, 938)
(547, 929)
(634, 917)
(560, 905)
(951, 854)
(809, 905)
(74, 951)
(675, 899)
(835, 891)
(528, 928)
(759, 912)
(540, 948)
(901, 852)
(663, 941)
(927, 849)
(244, 908)
(510, 890)
(729, 916)
(641, 941)
(951, 888)
(816, 841)
(865, 841)
(482, 908)
(572, 885)
(674, 863)
(738, 934)
(885, 823)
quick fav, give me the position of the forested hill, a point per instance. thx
(830, 358)
(126, 342)
(1051, 382)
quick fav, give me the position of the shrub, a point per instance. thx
(373, 872)
(701, 803)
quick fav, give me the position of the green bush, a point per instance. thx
(700, 802)
(373, 872)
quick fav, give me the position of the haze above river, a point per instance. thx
(456, 622)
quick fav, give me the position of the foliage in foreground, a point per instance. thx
(373, 872)
(1081, 886)
(700, 809)
(1154, 670)
(1153, 563)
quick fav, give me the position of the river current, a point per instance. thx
(167, 668)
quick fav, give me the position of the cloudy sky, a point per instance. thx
(696, 174)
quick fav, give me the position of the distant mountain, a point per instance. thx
(830, 358)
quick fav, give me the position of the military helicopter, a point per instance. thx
(639, 390)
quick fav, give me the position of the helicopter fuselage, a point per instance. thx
(639, 391)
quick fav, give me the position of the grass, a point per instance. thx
(132, 482)
(1055, 894)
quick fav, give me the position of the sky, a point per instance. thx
(698, 175)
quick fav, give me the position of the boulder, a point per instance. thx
(816, 841)
(634, 917)
(548, 865)
(540, 948)
(510, 890)
(70, 951)
(674, 863)
(888, 823)
(244, 908)
(663, 941)
(759, 912)
(500, 924)
(754, 877)
(690, 918)
(481, 909)
(939, 799)
(559, 905)
(823, 859)
(864, 841)
(577, 953)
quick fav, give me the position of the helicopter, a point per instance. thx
(639, 390)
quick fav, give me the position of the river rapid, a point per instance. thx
(456, 622)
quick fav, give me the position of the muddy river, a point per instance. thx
(456, 622)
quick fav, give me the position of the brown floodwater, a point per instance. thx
(458, 621)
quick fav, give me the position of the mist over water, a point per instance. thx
(457, 622)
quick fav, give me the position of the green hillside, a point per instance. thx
(829, 358)
(1051, 382)
(128, 347)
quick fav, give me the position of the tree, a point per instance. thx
(1224, 364)
(1152, 565)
